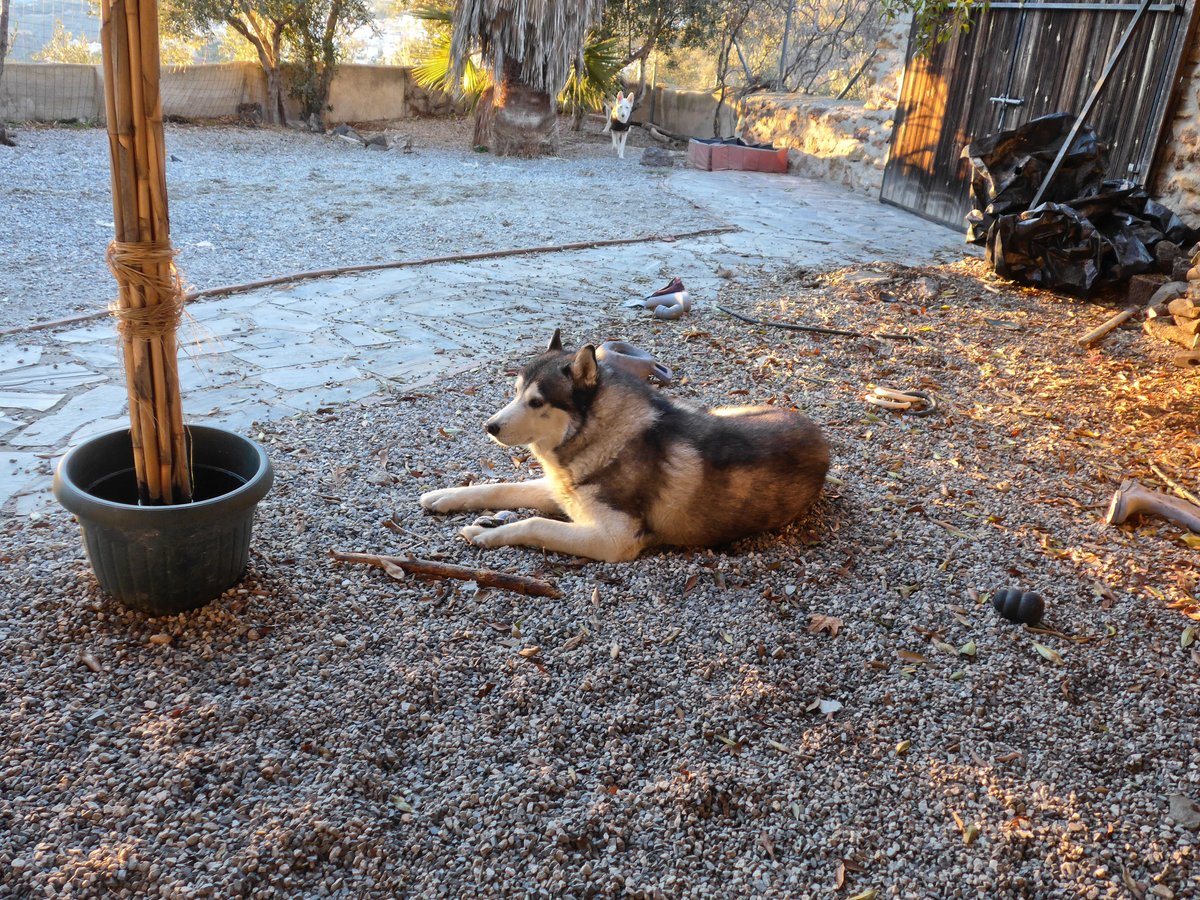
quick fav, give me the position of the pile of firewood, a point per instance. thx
(1170, 311)
(1176, 315)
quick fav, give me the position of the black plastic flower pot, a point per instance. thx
(166, 559)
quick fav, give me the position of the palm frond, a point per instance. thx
(443, 15)
(592, 82)
(433, 70)
(538, 40)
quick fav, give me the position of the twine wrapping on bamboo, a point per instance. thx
(149, 301)
(149, 267)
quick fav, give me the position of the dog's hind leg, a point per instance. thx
(607, 542)
(536, 494)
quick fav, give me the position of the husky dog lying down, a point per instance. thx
(632, 470)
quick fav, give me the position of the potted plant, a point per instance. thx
(165, 509)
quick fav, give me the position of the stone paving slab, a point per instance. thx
(277, 351)
(18, 356)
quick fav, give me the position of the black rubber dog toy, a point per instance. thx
(1016, 605)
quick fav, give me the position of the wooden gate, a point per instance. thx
(1019, 61)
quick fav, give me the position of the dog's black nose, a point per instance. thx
(492, 428)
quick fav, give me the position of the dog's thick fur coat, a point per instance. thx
(632, 470)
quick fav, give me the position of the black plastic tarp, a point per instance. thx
(1009, 167)
(1087, 233)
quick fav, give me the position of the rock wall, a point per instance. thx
(1177, 183)
(844, 141)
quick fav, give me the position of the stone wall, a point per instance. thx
(47, 92)
(205, 92)
(688, 113)
(36, 92)
(844, 141)
(1177, 183)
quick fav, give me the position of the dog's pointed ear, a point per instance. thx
(555, 342)
(620, 96)
(584, 368)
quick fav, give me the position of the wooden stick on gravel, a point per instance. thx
(427, 568)
(816, 329)
(1174, 485)
(1109, 326)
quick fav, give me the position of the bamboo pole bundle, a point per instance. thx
(150, 296)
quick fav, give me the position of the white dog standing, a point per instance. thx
(618, 122)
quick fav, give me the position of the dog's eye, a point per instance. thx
(536, 403)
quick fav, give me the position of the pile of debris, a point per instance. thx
(380, 141)
(1084, 233)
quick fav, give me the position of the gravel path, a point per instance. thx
(250, 204)
(323, 729)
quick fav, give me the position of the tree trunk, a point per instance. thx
(276, 114)
(5, 140)
(328, 66)
(268, 58)
(275, 75)
(515, 119)
(783, 49)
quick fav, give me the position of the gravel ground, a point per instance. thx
(325, 730)
(250, 204)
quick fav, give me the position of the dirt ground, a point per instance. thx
(831, 711)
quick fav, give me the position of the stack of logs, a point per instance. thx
(1171, 310)
(1174, 312)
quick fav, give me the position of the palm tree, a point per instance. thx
(530, 48)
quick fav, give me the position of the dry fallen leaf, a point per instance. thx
(614, 651)
(970, 833)
(902, 747)
(574, 641)
(910, 656)
(868, 894)
(1188, 637)
(1048, 653)
(529, 652)
(767, 844)
(828, 624)
(393, 570)
(967, 649)
(1133, 887)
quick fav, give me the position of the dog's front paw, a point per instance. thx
(476, 535)
(440, 501)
